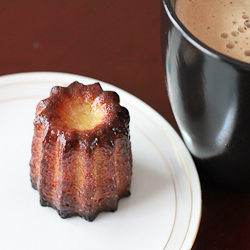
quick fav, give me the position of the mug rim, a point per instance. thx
(196, 42)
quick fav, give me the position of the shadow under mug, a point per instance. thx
(210, 97)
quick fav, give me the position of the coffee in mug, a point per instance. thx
(223, 25)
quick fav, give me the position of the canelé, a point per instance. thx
(81, 161)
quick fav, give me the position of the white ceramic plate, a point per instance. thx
(163, 211)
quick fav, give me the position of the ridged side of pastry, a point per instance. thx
(81, 172)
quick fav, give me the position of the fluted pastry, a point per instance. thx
(81, 159)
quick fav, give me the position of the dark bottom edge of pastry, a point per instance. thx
(90, 217)
(68, 214)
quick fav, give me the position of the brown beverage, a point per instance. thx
(223, 25)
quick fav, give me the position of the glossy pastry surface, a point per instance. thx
(81, 160)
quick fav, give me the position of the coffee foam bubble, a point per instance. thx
(224, 25)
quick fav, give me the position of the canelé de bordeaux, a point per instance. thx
(81, 160)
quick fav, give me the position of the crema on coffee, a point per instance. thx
(223, 25)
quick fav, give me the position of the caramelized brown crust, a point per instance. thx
(81, 169)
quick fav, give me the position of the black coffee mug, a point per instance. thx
(210, 97)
